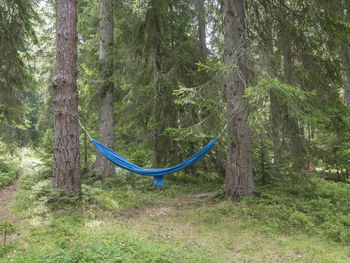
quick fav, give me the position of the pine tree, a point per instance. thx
(66, 157)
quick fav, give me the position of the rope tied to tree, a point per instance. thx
(76, 117)
(82, 126)
(219, 135)
(228, 121)
(157, 173)
(223, 129)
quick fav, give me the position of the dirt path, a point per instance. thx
(6, 197)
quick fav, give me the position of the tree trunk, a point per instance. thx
(292, 127)
(156, 140)
(157, 68)
(85, 170)
(239, 171)
(106, 114)
(346, 64)
(340, 9)
(275, 127)
(157, 105)
(66, 157)
(201, 26)
(274, 104)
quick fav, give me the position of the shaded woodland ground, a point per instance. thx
(145, 224)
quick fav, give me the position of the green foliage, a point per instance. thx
(170, 101)
(8, 174)
(9, 169)
(44, 151)
(102, 225)
(327, 138)
(123, 247)
(157, 33)
(6, 228)
(117, 198)
(16, 18)
(333, 151)
(60, 227)
(312, 207)
(297, 103)
(315, 207)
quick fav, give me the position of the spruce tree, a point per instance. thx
(106, 109)
(239, 170)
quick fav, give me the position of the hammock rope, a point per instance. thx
(82, 126)
(157, 173)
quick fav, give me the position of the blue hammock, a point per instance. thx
(157, 173)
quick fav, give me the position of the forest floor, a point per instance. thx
(145, 224)
(6, 198)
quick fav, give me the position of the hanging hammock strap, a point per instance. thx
(84, 129)
(228, 121)
(223, 129)
(82, 126)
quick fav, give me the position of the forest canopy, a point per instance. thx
(163, 69)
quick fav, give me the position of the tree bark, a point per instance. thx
(106, 113)
(346, 64)
(157, 69)
(275, 127)
(239, 171)
(201, 27)
(338, 9)
(66, 157)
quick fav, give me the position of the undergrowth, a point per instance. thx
(313, 206)
(90, 228)
(112, 246)
(9, 171)
(60, 228)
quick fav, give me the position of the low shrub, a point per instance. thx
(318, 208)
(9, 172)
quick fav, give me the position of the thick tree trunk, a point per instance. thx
(66, 157)
(339, 9)
(346, 64)
(106, 114)
(201, 26)
(239, 171)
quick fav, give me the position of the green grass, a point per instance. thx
(114, 222)
(67, 240)
(316, 207)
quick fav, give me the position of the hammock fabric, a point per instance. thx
(157, 173)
